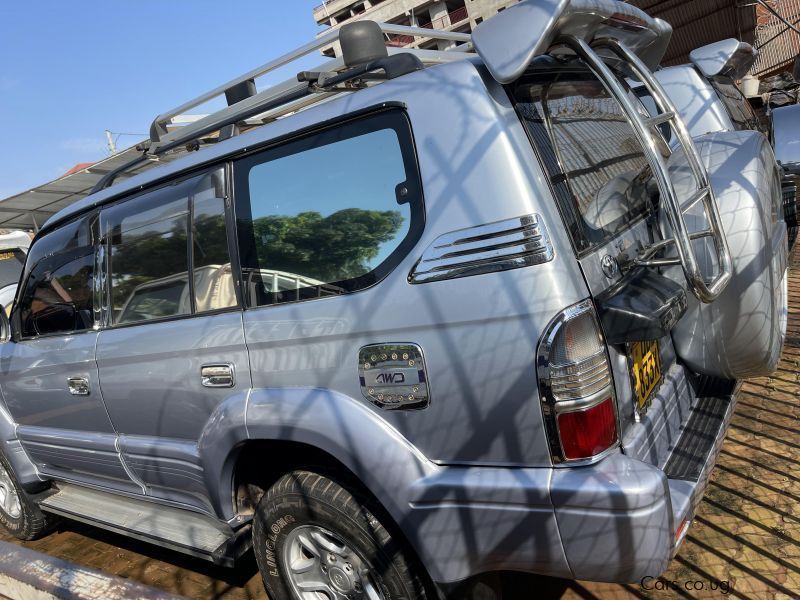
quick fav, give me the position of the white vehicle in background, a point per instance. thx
(13, 249)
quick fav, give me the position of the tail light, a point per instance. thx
(576, 387)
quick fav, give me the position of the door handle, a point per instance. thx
(217, 376)
(78, 386)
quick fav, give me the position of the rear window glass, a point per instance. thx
(653, 110)
(328, 214)
(597, 166)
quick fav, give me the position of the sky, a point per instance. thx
(71, 70)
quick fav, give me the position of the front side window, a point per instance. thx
(57, 297)
(152, 241)
(327, 214)
(597, 167)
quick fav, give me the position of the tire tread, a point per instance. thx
(305, 485)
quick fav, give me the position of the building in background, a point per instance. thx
(762, 23)
(771, 26)
(449, 15)
(778, 44)
(695, 23)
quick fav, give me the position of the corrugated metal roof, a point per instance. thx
(696, 23)
(30, 209)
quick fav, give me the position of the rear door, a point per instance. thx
(49, 380)
(172, 318)
(608, 199)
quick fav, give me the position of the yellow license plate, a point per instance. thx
(645, 371)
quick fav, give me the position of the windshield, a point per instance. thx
(597, 167)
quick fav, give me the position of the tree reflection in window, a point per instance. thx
(322, 215)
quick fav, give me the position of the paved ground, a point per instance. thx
(744, 543)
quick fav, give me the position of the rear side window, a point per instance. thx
(168, 253)
(597, 167)
(330, 213)
(738, 107)
(57, 296)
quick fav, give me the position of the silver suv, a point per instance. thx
(415, 317)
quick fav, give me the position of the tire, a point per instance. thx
(18, 514)
(308, 519)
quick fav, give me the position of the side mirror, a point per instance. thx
(55, 318)
(5, 325)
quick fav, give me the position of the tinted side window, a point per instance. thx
(596, 164)
(58, 283)
(738, 107)
(148, 240)
(213, 278)
(330, 213)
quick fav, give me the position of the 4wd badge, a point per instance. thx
(393, 376)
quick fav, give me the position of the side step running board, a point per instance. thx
(181, 530)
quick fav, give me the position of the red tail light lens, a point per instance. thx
(588, 432)
(576, 388)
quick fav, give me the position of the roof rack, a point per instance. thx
(248, 106)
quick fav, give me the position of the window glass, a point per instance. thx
(738, 107)
(597, 166)
(148, 238)
(58, 292)
(213, 278)
(148, 253)
(652, 110)
(11, 263)
(322, 216)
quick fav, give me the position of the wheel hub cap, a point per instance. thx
(9, 500)
(340, 580)
(321, 566)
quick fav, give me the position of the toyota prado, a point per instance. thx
(414, 317)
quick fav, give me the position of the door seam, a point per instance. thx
(134, 478)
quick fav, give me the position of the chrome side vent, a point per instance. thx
(510, 244)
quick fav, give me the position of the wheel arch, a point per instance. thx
(330, 427)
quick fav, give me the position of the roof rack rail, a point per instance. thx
(335, 76)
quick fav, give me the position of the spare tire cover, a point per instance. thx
(741, 333)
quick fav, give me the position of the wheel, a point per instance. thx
(316, 540)
(21, 517)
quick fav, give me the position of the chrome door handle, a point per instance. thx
(78, 386)
(215, 376)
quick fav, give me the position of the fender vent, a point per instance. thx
(510, 244)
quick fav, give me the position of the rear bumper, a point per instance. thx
(615, 520)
